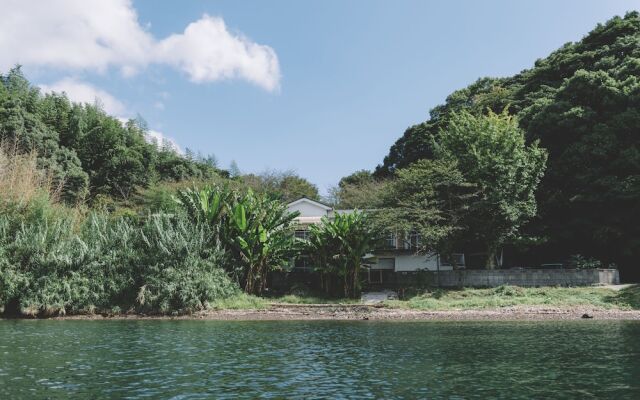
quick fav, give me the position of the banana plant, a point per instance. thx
(338, 245)
(255, 230)
(262, 238)
(206, 205)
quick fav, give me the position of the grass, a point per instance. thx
(514, 296)
(294, 299)
(244, 301)
(468, 299)
(241, 301)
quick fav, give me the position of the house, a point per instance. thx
(397, 254)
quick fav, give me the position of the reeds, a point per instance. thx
(55, 259)
(21, 181)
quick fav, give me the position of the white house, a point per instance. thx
(396, 255)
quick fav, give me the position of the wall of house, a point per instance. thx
(412, 262)
(308, 210)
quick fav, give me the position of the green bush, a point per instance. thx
(52, 264)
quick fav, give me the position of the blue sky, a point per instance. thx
(320, 87)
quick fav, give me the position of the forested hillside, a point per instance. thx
(90, 153)
(583, 103)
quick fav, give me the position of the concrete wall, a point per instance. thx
(528, 277)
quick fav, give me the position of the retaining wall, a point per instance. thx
(524, 277)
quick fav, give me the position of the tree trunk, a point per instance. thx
(346, 284)
(263, 281)
(356, 281)
(492, 253)
(248, 286)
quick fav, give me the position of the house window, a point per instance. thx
(390, 241)
(413, 240)
(302, 234)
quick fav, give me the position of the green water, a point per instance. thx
(307, 360)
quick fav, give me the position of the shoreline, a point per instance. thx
(362, 312)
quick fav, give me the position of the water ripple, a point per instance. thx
(318, 360)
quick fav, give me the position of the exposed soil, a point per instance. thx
(281, 312)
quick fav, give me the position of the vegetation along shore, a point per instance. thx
(501, 303)
(541, 168)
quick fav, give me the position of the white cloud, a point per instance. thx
(206, 51)
(96, 35)
(82, 92)
(163, 140)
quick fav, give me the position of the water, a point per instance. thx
(315, 359)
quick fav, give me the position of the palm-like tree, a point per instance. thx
(338, 246)
(262, 237)
(255, 230)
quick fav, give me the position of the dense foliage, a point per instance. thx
(56, 260)
(89, 221)
(582, 103)
(337, 247)
(284, 186)
(255, 231)
(90, 153)
(490, 153)
(359, 190)
(433, 199)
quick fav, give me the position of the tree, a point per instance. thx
(256, 231)
(261, 236)
(338, 246)
(234, 170)
(285, 186)
(491, 154)
(359, 190)
(294, 187)
(432, 198)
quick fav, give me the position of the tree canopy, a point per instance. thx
(91, 153)
(284, 186)
(582, 103)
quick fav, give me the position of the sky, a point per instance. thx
(322, 88)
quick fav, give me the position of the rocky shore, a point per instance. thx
(283, 312)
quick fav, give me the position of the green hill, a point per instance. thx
(583, 103)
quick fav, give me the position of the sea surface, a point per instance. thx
(164, 359)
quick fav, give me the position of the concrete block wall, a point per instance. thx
(525, 277)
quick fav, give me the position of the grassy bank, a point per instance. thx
(514, 296)
(469, 299)
(244, 301)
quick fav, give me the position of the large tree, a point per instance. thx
(431, 198)
(491, 154)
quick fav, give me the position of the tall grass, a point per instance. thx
(21, 181)
(56, 260)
